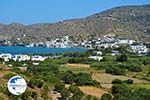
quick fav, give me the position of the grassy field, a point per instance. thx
(106, 79)
(76, 68)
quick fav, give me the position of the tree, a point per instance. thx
(59, 86)
(129, 81)
(16, 69)
(69, 77)
(122, 58)
(115, 71)
(76, 91)
(83, 79)
(135, 68)
(117, 81)
(106, 96)
(65, 93)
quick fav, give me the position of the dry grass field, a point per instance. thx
(106, 79)
(78, 65)
(90, 90)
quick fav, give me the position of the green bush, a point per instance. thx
(106, 96)
(122, 58)
(16, 69)
(59, 86)
(81, 60)
(135, 68)
(117, 81)
(65, 93)
(129, 81)
(115, 71)
(69, 77)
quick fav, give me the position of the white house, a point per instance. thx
(114, 53)
(125, 41)
(38, 58)
(98, 52)
(140, 49)
(21, 58)
(96, 57)
(6, 56)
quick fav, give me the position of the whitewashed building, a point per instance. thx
(6, 56)
(38, 58)
(21, 58)
(140, 49)
(99, 58)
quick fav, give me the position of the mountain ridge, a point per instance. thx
(123, 21)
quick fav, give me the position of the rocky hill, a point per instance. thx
(126, 21)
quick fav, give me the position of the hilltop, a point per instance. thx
(125, 21)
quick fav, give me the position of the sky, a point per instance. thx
(50, 11)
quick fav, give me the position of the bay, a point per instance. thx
(36, 50)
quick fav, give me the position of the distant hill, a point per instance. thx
(126, 21)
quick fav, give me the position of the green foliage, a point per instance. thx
(35, 82)
(122, 58)
(106, 51)
(115, 71)
(83, 79)
(124, 49)
(44, 68)
(81, 60)
(120, 89)
(9, 75)
(59, 86)
(51, 78)
(135, 68)
(69, 77)
(65, 93)
(76, 54)
(101, 65)
(1, 98)
(129, 81)
(76, 91)
(122, 92)
(145, 60)
(79, 78)
(34, 95)
(2, 89)
(106, 96)
(16, 69)
(118, 81)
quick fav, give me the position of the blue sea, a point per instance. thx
(36, 50)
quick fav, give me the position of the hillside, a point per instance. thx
(125, 21)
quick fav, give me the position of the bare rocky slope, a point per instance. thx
(126, 21)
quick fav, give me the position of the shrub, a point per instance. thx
(115, 71)
(69, 77)
(122, 58)
(106, 96)
(16, 69)
(65, 93)
(129, 81)
(117, 81)
(59, 87)
(135, 68)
